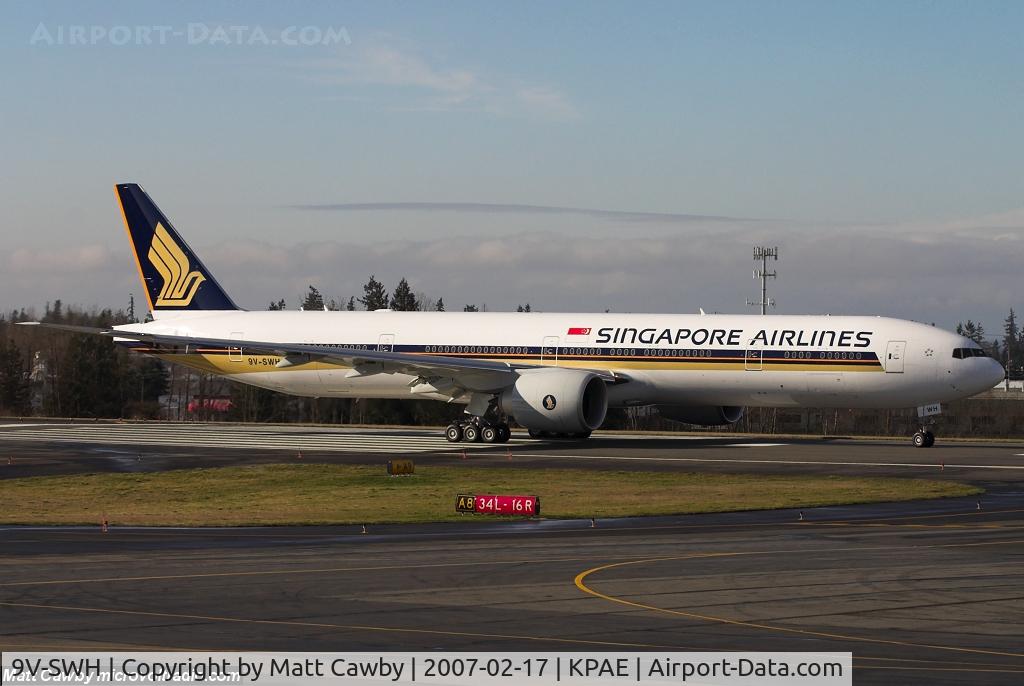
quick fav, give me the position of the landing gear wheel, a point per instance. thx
(504, 433)
(924, 439)
(489, 434)
(471, 434)
(453, 433)
(537, 434)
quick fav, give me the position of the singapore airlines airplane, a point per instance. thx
(555, 374)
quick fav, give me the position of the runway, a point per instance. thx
(920, 593)
(926, 592)
(50, 448)
(286, 438)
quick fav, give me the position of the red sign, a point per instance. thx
(579, 331)
(521, 505)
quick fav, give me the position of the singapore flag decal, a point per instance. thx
(579, 331)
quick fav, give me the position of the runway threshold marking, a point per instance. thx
(582, 586)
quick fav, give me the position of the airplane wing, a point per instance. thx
(435, 373)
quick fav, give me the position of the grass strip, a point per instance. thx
(300, 494)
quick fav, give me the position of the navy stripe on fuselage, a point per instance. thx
(577, 353)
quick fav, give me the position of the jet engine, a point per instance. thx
(556, 400)
(701, 415)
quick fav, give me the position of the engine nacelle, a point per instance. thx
(701, 415)
(556, 400)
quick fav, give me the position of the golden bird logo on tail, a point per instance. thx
(180, 283)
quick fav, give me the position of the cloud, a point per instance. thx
(383, 65)
(401, 77)
(510, 208)
(944, 272)
(884, 270)
(546, 101)
(64, 259)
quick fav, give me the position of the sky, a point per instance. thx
(579, 156)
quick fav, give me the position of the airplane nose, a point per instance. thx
(995, 373)
(980, 377)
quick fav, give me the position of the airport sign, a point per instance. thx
(514, 505)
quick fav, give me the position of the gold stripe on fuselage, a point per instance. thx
(223, 364)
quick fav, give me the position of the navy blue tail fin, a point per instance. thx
(173, 276)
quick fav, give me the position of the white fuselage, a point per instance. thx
(735, 360)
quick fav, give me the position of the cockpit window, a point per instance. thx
(964, 353)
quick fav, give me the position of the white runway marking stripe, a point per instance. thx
(234, 437)
(217, 438)
(324, 439)
(830, 463)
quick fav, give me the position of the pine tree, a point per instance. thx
(351, 306)
(440, 305)
(279, 305)
(1010, 327)
(976, 332)
(375, 297)
(1011, 344)
(470, 308)
(403, 299)
(54, 314)
(14, 385)
(313, 301)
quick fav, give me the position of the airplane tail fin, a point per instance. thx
(173, 277)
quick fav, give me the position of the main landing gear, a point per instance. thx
(477, 429)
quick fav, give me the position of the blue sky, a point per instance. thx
(897, 124)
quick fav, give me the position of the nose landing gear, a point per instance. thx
(924, 439)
